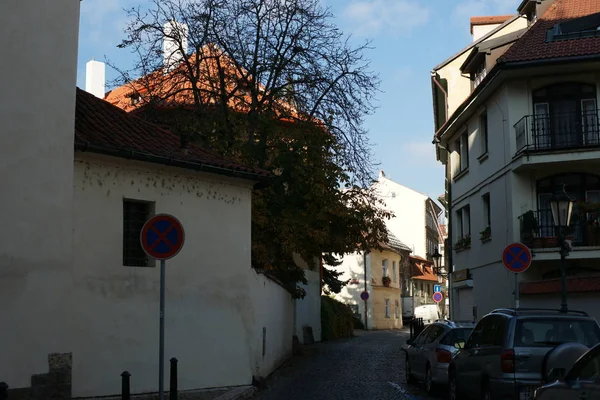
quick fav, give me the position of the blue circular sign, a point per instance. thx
(516, 257)
(162, 237)
(364, 295)
(437, 297)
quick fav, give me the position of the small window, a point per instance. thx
(394, 276)
(487, 217)
(397, 310)
(393, 195)
(463, 221)
(387, 308)
(135, 215)
(483, 132)
(384, 268)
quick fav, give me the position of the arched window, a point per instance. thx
(565, 115)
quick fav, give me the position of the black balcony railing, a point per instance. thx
(538, 230)
(557, 131)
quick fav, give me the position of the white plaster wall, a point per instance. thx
(216, 305)
(408, 206)
(353, 268)
(38, 77)
(481, 30)
(308, 309)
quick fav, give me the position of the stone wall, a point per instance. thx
(52, 385)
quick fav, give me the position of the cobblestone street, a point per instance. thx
(369, 366)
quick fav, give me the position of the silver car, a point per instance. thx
(429, 354)
(582, 382)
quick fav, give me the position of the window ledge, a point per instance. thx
(483, 157)
(486, 239)
(461, 174)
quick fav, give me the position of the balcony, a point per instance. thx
(538, 230)
(557, 131)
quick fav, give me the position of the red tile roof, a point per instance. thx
(489, 20)
(102, 127)
(422, 269)
(574, 285)
(533, 46)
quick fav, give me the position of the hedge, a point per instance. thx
(337, 320)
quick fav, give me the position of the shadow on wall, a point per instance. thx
(337, 319)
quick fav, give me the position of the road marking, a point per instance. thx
(407, 395)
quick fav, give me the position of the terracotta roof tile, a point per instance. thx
(100, 125)
(533, 46)
(489, 20)
(574, 285)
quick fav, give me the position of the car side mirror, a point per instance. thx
(460, 344)
(410, 342)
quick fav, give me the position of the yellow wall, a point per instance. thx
(381, 293)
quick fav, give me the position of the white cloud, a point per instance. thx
(395, 17)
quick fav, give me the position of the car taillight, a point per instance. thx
(507, 361)
(443, 356)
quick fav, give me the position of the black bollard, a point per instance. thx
(173, 383)
(125, 387)
(3, 391)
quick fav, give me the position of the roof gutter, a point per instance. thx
(262, 181)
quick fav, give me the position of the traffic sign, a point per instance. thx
(364, 295)
(437, 297)
(516, 257)
(162, 237)
(437, 288)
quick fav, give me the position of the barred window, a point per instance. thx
(135, 215)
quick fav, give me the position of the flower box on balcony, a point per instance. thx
(486, 234)
(386, 281)
(463, 243)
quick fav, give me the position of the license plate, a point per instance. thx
(527, 393)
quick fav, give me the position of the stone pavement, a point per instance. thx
(369, 366)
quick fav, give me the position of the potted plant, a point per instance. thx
(485, 234)
(463, 242)
(386, 281)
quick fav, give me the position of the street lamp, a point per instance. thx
(562, 207)
(437, 259)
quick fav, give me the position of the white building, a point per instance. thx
(79, 179)
(516, 117)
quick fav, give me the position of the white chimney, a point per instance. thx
(171, 45)
(95, 78)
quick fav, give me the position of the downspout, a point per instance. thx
(365, 277)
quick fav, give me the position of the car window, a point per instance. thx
(500, 326)
(421, 338)
(456, 335)
(476, 337)
(537, 332)
(435, 332)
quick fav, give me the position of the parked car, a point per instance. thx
(428, 355)
(505, 355)
(582, 382)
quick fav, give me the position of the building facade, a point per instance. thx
(377, 272)
(519, 122)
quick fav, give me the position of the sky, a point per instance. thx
(409, 38)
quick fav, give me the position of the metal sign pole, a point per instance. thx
(161, 346)
(516, 290)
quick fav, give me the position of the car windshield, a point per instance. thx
(540, 332)
(456, 335)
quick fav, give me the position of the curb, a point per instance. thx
(240, 393)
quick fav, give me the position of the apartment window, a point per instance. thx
(462, 153)
(397, 310)
(387, 308)
(384, 268)
(463, 221)
(394, 276)
(487, 216)
(483, 132)
(135, 215)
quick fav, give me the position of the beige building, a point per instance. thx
(378, 273)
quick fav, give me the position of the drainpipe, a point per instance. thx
(365, 277)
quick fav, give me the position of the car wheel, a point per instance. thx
(453, 393)
(429, 385)
(407, 372)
